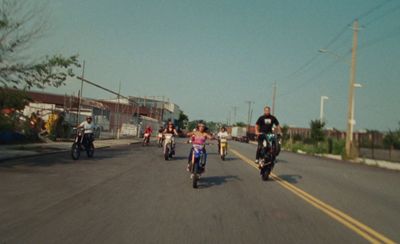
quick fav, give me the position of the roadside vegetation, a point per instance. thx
(21, 25)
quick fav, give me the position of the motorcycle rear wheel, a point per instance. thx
(265, 173)
(195, 175)
(90, 150)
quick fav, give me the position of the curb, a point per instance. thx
(360, 161)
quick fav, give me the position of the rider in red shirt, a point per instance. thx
(148, 130)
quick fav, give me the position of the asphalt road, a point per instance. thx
(130, 194)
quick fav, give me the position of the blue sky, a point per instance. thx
(210, 55)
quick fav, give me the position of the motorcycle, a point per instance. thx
(223, 148)
(81, 144)
(168, 146)
(268, 155)
(146, 139)
(197, 163)
(160, 137)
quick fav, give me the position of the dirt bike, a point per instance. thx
(223, 148)
(268, 154)
(81, 144)
(168, 146)
(197, 163)
(146, 139)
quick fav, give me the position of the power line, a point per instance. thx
(381, 39)
(309, 81)
(374, 20)
(333, 40)
(373, 9)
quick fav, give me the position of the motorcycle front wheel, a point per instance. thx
(166, 153)
(75, 151)
(195, 174)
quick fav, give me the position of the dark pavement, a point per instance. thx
(129, 194)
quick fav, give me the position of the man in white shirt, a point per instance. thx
(222, 134)
(89, 128)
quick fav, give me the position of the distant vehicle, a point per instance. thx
(239, 134)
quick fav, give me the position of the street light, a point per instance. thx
(352, 85)
(337, 56)
(321, 111)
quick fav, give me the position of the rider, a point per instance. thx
(264, 126)
(222, 134)
(160, 133)
(88, 127)
(199, 137)
(148, 130)
(170, 129)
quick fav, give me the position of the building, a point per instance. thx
(159, 107)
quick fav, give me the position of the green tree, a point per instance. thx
(21, 23)
(285, 132)
(317, 132)
(13, 99)
(240, 124)
(183, 120)
(392, 139)
(192, 124)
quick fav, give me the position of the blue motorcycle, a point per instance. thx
(197, 163)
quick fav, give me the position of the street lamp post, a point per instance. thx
(352, 85)
(321, 111)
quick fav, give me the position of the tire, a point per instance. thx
(224, 154)
(75, 151)
(90, 150)
(265, 173)
(195, 177)
(166, 153)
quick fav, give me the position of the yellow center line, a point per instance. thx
(361, 229)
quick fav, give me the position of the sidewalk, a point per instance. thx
(27, 150)
(370, 162)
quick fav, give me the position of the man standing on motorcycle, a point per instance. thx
(264, 125)
(170, 129)
(222, 134)
(89, 128)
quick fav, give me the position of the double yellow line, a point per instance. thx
(361, 229)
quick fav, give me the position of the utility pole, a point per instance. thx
(273, 98)
(350, 112)
(118, 113)
(80, 93)
(249, 113)
(234, 114)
